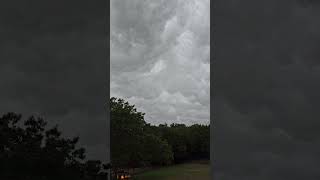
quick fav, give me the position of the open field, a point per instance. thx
(189, 171)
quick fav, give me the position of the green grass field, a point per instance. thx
(189, 171)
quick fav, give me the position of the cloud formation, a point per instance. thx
(266, 90)
(160, 58)
(53, 64)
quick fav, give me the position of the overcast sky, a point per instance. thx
(160, 58)
(53, 64)
(267, 90)
(267, 74)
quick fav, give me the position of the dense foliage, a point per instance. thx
(30, 151)
(131, 145)
(135, 143)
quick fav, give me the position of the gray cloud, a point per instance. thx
(53, 64)
(266, 90)
(160, 53)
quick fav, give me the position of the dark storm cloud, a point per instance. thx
(267, 88)
(53, 63)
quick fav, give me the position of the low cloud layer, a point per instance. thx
(266, 88)
(160, 58)
(53, 64)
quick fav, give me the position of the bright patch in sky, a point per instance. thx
(160, 58)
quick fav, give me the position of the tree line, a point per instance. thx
(135, 143)
(30, 150)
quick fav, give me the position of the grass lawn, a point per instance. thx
(189, 171)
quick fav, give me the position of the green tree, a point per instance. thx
(199, 141)
(126, 134)
(134, 142)
(156, 150)
(30, 151)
